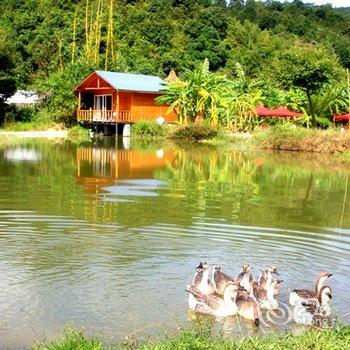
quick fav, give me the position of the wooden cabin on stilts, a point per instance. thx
(108, 101)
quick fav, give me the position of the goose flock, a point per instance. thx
(245, 296)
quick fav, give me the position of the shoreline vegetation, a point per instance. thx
(282, 137)
(337, 337)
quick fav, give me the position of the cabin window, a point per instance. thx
(103, 102)
(87, 100)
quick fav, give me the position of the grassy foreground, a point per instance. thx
(331, 339)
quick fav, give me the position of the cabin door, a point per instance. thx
(102, 107)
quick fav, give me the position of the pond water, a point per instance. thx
(108, 235)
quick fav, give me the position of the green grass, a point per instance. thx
(201, 339)
(70, 340)
(32, 126)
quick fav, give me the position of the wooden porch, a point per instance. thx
(104, 116)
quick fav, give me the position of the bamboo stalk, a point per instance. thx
(74, 35)
(98, 33)
(91, 38)
(107, 46)
(111, 31)
(109, 54)
(87, 28)
(94, 35)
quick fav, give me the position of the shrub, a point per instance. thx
(78, 134)
(14, 114)
(194, 132)
(147, 129)
(323, 123)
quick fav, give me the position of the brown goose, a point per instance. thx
(221, 280)
(245, 278)
(298, 295)
(248, 308)
(265, 277)
(213, 304)
(314, 311)
(265, 297)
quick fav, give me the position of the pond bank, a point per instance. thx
(285, 138)
(76, 134)
(50, 134)
(277, 138)
(335, 338)
(282, 137)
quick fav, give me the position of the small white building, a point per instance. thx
(23, 98)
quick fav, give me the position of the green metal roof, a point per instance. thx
(132, 82)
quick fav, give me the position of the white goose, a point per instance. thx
(266, 278)
(201, 282)
(213, 304)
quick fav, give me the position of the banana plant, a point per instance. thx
(200, 97)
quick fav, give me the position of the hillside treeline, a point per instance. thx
(49, 45)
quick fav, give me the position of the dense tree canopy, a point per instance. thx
(306, 68)
(47, 38)
(152, 35)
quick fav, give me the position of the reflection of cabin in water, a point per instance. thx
(112, 98)
(100, 167)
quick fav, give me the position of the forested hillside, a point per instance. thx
(50, 44)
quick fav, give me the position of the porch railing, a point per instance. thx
(104, 116)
